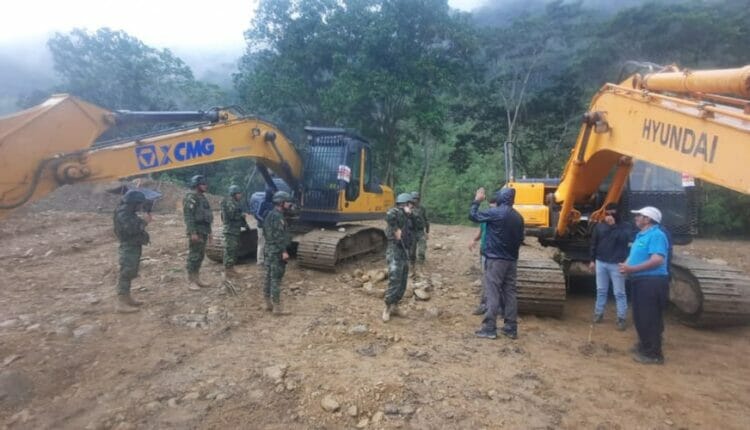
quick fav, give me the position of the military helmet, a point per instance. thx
(414, 195)
(403, 198)
(134, 197)
(197, 180)
(281, 197)
(234, 189)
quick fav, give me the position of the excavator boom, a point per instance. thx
(693, 122)
(51, 145)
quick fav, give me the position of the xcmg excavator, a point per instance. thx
(51, 144)
(635, 138)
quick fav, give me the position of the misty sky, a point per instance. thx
(159, 23)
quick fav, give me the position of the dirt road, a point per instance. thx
(206, 360)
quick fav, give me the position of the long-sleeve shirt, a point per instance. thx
(504, 230)
(276, 233)
(609, 243)
(197, 213)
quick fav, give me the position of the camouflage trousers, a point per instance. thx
(398, 272)
(275, 268)
(418, 248)
(231, 243)
(259, 258)
(196, 252)
(130, 260)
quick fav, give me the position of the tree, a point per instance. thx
(369, 64)
(117, 71)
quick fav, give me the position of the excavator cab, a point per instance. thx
(674, 193)
(338, 183)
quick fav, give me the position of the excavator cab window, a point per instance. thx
(354, 161)
(372, 183)
(324, 156)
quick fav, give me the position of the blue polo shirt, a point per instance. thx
(651, 241)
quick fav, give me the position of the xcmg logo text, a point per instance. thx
(150, 156)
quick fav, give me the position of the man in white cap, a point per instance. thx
(647, 268)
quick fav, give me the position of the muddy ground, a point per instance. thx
(208, 360)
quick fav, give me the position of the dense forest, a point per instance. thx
(438, 92)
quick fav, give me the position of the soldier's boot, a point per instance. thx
(195, 283)
(123, 306)
(269, 304)
(387, 313)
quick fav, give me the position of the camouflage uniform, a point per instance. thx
(276, 232)
(421, 229)
(130, 230)
(396, 254)
(198, 218)
(233, 219)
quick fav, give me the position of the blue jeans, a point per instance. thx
(606, 272)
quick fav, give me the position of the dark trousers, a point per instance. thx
(500, 287)
(650, 296)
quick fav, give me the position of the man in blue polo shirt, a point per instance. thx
(647, 269)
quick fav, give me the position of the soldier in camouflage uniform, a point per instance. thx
(234, 222)
(198, 218)
(399, 235)
(276, 232)
(421, 233)
(130, 230)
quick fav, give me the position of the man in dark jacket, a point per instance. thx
(609, 247)
(504, 235)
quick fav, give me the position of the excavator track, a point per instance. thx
(705, 294)
(324, 249)
(540, 286)
(248, 245)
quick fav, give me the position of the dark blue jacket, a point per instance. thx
(265, 207)
(609, 243)
(504, 226)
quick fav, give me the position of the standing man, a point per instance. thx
(130, 230)
(504, 237)
(198, 219)
(399, 236)
(276, 232)
(260, 213)
(234, 222)
(609, 248)
(647, 269)
(421, 233)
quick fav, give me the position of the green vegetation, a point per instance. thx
(438, 92)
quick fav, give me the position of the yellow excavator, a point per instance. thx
(53, 144)
(641, 143)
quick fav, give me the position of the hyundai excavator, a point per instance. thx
(55, 143)
(639, 139)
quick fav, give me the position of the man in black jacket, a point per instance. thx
(504, 235)
(609, 247)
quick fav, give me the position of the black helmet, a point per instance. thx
(234, 189)
(281, 197)
(197, 180)
(134, 197)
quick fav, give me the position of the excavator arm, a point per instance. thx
(669, 119)
(50, 145)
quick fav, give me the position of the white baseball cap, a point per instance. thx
(651, 212)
